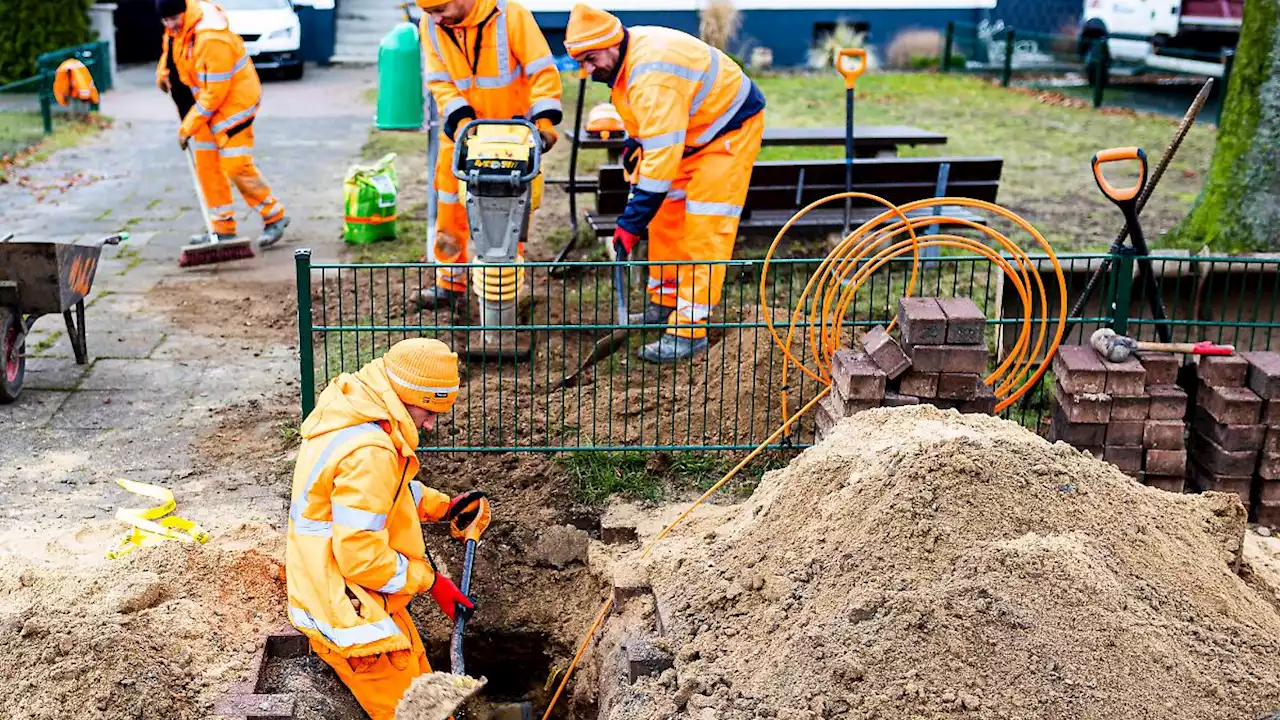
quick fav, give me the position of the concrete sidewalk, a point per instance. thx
(170, 350)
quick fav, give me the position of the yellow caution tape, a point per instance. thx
(150, 526)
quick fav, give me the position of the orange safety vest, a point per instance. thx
(74, 81)
(213, 62)
(674, 93)
(355, 518)
(495, 65)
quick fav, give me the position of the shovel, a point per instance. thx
(470, 535)
(609, 344)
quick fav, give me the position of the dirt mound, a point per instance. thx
(921, 562)
(436, 695)
(158, 634)
(230, 309)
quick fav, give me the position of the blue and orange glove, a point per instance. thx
(449, 597)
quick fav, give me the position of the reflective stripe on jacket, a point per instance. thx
(213, 62)
(355, 518)
(675, 94)
(495, 64)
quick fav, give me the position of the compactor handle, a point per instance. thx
(851, 74)
(1120, 196)
(460, 147)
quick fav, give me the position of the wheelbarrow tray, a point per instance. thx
(43, 278)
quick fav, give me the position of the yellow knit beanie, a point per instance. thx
(428, 4)
(591, 29)
(424, 373)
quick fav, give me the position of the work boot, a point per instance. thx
(436, 297)
(272, 232)
(653, 314)
(672, 348)
(203, 238)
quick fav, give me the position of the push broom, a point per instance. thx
(213, 250)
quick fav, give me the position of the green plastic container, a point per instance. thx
(399, 80)
(369, 200)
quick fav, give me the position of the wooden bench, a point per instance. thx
(779, 189)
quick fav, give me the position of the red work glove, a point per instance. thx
(449, 597)
(624, 242)
(464, 508)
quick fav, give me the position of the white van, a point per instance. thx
(271, 31)
(1187, 36)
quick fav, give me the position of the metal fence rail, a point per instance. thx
(727, 398)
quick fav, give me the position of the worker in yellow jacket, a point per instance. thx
(355, 555)
(211, 60)
(694, 122)
(485, 59)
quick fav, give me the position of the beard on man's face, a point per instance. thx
(601, 74)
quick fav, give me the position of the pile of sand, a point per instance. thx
(158, 634)
(920, 562)
(436, 695)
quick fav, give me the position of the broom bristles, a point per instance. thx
(194, 255)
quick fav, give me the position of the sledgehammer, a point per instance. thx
(1118, 348)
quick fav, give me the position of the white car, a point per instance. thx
(271, 31)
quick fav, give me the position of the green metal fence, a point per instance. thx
(726, 398)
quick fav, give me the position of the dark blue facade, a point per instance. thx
(788, 33)
(1041, 16)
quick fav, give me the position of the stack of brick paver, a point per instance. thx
(1227, 434)
(1264, 381)
(940, 361)
(1129, 414)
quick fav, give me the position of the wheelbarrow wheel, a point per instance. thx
(13, 365)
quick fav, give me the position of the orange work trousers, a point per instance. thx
(382, 679)
(233, 162)
(699, 222)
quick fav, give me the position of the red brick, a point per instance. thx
(1126, 379)
(1080, 370)
(1215, 459)
(1271, 413)
(1269, 467)
(1223, 370)
(1230, 405)
(838, 407)
(1264, 374)
(1271, 443)
(1130, 408)
(919, 384)
(956, 386)
(1084, 408)
(1164, 435)
(1267, 514)
(1172, 483)
(1166, 462)
(983, 403)
(855, 377)
(1128, 459)
(1268, 491)
(1162, 368)
(966, 323)
(949, 358)
(1168, 402)
(1077, 434)
(893, 399)
(1204, 480)
(885, 352)
(1125, 432)
(825, 416)
(922, 321)
(1229, 437)
(1097, 452)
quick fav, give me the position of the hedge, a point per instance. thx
(32, 27)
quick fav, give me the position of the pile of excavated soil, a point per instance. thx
(920, 562)
(436, 695)
(158, 634)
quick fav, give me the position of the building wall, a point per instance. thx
(1041, 16)
(788, 33)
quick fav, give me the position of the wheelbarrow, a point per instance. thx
(40, 278)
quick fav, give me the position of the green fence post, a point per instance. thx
(946, 49)
(1228, 64)
(1008, 59)
(1123, 292)
(45, 93)
(306, 351)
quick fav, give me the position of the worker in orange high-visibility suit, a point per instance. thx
(211, 60)
(486, 59)
(355, 554)
(694, 122)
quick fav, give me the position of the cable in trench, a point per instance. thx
(830, 294)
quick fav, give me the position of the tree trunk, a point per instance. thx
(1239, 208)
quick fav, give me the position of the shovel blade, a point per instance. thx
(605, 347)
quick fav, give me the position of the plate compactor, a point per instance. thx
(498, 162)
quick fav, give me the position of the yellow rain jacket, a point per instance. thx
(212, 61)
(355, 518)
(495, 64)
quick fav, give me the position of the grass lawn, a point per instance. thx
(23, 142)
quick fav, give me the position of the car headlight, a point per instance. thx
(285, 34)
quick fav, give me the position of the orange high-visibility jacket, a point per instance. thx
(355, 517)
(675, 94)
(73, 81)
(212, 61)
(495, 64)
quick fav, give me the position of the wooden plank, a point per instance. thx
(768, 222)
